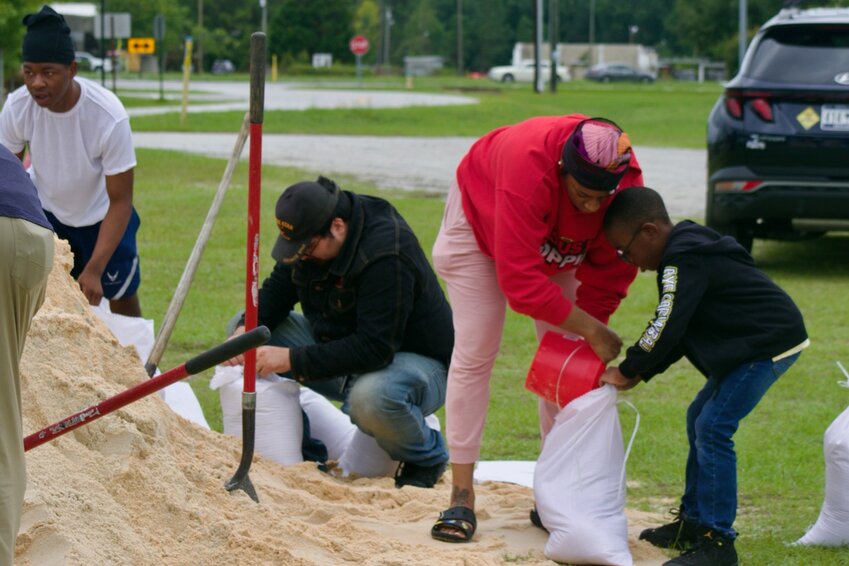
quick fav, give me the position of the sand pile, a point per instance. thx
(145, 486)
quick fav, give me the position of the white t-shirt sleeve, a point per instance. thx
(118, 152)
(11, 131)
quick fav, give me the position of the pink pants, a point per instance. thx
(479, 311)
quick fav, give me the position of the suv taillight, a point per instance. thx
(759, 102)
(734, 106)
(737, 186)
(763, 108)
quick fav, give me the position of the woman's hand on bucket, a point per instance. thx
(605, 343)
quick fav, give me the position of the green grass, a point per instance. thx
(143, 102)
(665, 114)
(781, 469)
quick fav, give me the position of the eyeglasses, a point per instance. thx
(624, 252)
(309, 247)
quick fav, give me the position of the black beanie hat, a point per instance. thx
(48, 38)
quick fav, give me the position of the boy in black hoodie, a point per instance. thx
(734, 324)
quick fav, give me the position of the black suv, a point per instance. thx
(778, 138)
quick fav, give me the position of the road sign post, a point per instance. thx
(359, 47)
(159, 35)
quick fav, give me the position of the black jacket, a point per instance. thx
(378, 297)
(716, 308)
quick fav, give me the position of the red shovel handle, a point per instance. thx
(221, 353)
(257, 102)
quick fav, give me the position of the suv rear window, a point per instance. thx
(801, 54)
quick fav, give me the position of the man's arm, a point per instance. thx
(120, 190)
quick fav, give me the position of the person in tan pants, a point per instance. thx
(26, 254)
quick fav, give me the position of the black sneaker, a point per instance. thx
(712, 550)
(680, 534)
(418, 476)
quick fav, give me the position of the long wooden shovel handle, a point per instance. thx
(186, 279)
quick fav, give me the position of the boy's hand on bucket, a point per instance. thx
(613, 376)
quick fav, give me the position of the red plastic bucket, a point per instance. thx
(563, 369)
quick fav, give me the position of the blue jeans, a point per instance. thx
(710, 492)
(389, 404)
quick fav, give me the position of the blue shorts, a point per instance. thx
(122, 275)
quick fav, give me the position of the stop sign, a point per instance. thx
(358, 45)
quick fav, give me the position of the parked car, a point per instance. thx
(525, 72)
(610, 72)
(223, 66)
(88, 62)
(778, 137)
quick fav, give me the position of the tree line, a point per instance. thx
(473, 35)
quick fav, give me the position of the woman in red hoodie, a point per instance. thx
(522, 226)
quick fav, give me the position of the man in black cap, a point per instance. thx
(376, 331)
(82, 161)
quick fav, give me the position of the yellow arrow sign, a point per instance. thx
(141, 45)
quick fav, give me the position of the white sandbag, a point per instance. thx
(327, 423)
(832, 526)
(279, 427)
(364, 457)
(138, 332)
(182, 399)
(579, 483)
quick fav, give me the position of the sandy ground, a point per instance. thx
(144, 486)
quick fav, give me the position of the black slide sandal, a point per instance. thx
(536, 521)
(460, 519)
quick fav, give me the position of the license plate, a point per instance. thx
(835, 117)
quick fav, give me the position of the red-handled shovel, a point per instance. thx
(240, 479)
(222, 352)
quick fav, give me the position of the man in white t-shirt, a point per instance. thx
(82, 161)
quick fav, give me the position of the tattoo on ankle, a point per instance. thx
(461, 497)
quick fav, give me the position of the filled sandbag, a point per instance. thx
(278, 428)
(364, 457)
(327, 423)
(832, 526)
(579, 483)
(138, 332)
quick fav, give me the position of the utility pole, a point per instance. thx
(592, 33)
(387, 35)
(743, 33)
(103, 43)
(200, 36)
(553, 35)
(460, 37)
(538, 80)
(264, 5)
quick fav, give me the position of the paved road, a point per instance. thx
(216, 96)
(419, 163)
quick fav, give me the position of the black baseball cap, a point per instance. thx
(303, 211)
